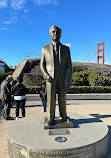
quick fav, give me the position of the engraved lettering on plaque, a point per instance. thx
(84, 152)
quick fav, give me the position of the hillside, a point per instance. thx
(34, 77)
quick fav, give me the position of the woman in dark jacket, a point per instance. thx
(19, 91)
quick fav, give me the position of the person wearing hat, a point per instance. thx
(19, 91)
(6, 96)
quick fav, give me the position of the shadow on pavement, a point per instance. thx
(100, 116)
(28, 106)
(88, 120)
(76, 122)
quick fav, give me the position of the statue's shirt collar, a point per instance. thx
(54, 43)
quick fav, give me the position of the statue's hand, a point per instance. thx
(66, 89)
(49, 79)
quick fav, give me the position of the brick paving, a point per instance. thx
(100, 110)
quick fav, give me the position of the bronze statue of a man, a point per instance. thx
(56, 67)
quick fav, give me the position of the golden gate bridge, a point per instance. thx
(98, 51)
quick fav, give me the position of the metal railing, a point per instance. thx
(31, 55)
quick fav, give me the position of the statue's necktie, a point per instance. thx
(56, 48)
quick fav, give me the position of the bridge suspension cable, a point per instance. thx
(89, 53)
(108, 55)
(92, 57)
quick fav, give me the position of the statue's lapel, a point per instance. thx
(51, 51)
(60, 52)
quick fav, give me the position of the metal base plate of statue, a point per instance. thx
(27, 138)
(58, 124)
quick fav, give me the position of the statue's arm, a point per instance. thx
(43, 66)
(69, 62)
(69, 71)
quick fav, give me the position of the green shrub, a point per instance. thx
(96, 79)
(79, 79)
(89, 89)
(93, 78)
(76, 89)
(106, 81)
(33, 89)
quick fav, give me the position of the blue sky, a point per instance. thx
(24, 27)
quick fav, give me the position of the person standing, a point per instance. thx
(43, 95)
(56, 67)
(6, 96)
(19, 91)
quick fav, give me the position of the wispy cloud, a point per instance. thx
(26, 10)
(7, 22)
(17, 4)
(3, 3)
(15, 7)
(106, 62)
(68, 44)
(14, 19)
(4, 28)
(20, 4)
(46, 2)
(84, 61)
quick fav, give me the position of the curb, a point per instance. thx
(102, 96)
(92, 96)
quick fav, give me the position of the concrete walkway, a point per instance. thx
(98, 108)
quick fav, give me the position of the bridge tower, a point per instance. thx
(99, 49)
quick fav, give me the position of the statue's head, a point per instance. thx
(55, 33)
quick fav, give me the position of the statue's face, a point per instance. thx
(55, 34)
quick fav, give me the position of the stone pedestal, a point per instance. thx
(27, 138)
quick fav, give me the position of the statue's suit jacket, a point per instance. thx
(47, 63)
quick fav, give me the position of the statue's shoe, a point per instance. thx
(64, 119)
(50, 122)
